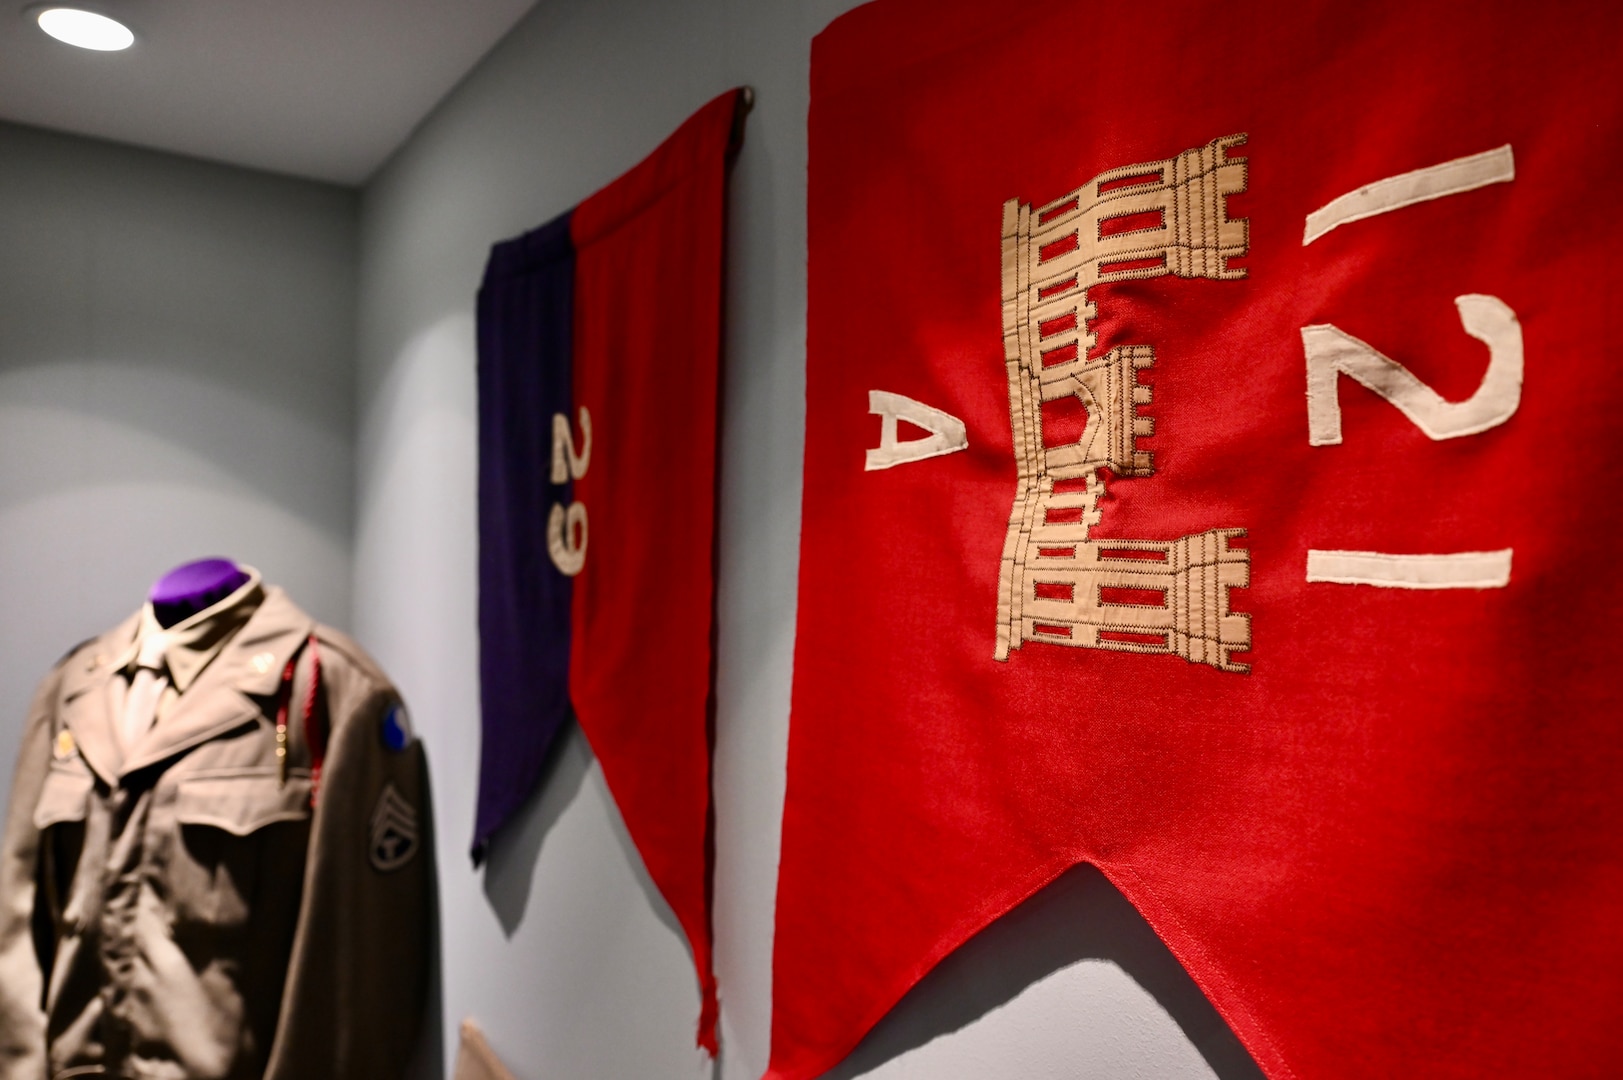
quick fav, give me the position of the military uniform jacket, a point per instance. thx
(181, 911)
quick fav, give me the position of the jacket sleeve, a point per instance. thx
(22, 983)
(353, 1001)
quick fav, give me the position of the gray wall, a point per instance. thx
(562, 950)
(176, 380)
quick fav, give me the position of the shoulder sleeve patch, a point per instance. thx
(396, 730)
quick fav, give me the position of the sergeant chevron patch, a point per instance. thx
(394, 831)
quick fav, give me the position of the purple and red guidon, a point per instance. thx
(599, 351)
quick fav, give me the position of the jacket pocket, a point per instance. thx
(60, 815)
(241, 802)
(235, 828)
(65, 796)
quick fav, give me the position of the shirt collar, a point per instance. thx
(187, 647)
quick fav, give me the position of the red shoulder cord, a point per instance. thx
(315, 735)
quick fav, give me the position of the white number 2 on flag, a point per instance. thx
(1332, 352)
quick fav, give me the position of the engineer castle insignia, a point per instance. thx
(1059, 583)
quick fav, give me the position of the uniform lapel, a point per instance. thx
(85, 702)
(221, 698)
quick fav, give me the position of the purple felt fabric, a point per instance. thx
(194, 587)
(526, 315)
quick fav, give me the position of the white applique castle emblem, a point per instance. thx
(1060, 583)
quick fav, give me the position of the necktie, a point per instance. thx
(146, 689)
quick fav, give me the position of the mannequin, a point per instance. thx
(254, 861)
(193, 587)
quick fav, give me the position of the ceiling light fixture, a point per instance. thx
(86, 29)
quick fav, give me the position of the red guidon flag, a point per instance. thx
(1213, 472)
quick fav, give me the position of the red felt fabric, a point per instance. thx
(1395, 848)
(648, 276)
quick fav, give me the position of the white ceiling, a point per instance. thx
(325, 89)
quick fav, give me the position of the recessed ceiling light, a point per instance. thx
(85, 29)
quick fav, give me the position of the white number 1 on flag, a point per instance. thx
(1332, 352)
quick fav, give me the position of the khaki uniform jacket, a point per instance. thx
(180, 912)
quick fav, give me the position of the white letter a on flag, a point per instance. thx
(947, 433)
